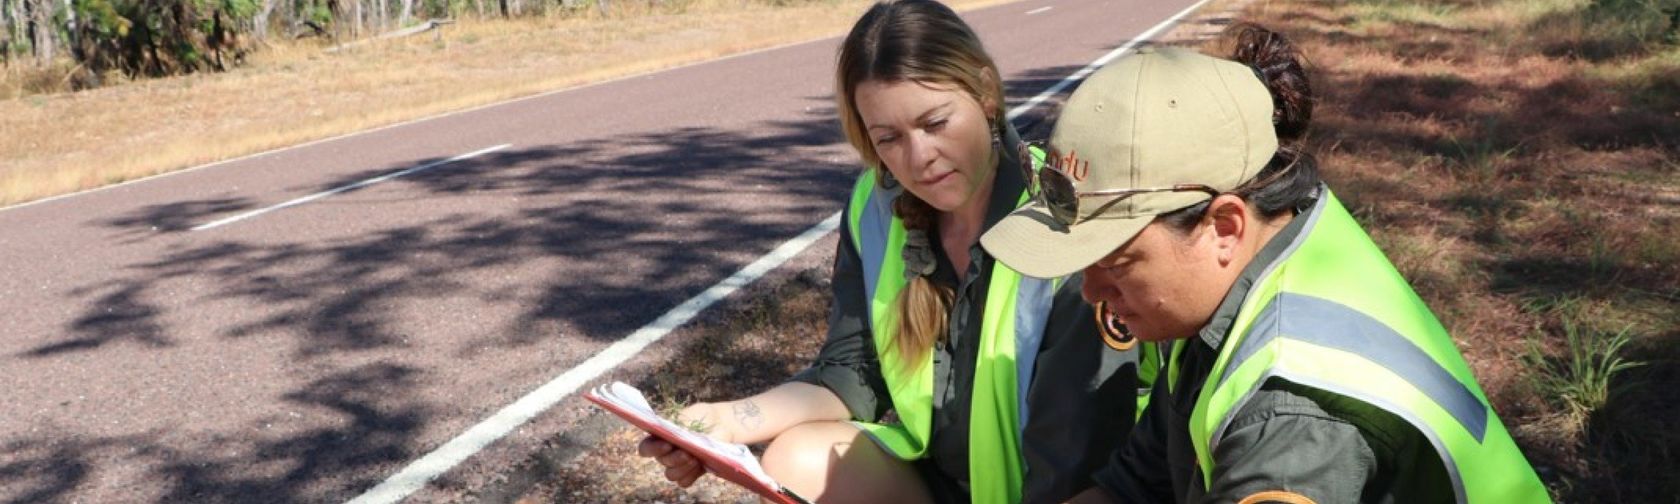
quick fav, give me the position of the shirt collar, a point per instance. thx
(1007, 186)
(1219, 326)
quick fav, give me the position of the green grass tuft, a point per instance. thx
(1581, 380)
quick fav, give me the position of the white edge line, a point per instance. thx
(1084, 72)
(416, 474)
(336, 190)
(421, 471)
(1040, 10)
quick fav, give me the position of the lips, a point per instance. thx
(937, 178)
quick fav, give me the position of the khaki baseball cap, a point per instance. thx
(1156, 118)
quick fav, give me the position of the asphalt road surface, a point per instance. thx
(303, 324)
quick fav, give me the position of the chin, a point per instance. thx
(1150, 334)
(940, 200)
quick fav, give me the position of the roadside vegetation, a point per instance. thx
(1520, 163)
(288, 91)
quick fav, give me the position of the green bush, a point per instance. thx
(159, 37)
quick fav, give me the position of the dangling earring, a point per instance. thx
(886, 180)
(997, 136)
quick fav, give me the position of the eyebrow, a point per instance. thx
(921, 118)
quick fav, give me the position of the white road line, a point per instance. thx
(229, 220)
(1040, 10)
(416, 474)
(1084, 72)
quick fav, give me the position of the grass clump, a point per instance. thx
(1580, 378)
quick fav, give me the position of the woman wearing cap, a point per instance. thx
(1302, 366)
(945, 377)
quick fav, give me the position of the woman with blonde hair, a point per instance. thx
(946, 376)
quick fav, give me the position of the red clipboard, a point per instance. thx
(716, 463)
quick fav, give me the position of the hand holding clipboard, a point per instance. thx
(730, 461)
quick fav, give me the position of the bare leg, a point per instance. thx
(834, 462)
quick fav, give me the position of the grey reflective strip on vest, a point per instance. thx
(1337, 326)
(1033, 300)
(1330, 324)
(874, 226)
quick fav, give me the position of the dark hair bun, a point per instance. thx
(1279, 64)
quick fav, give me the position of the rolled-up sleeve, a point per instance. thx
(847, 364)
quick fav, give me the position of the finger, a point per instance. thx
(687, 463)
(653, 447)
(676, 458)
(681, 474)
(689, 481)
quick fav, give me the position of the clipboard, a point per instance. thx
(732, 462)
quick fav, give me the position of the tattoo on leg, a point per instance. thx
(747, 413)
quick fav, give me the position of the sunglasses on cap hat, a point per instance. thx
(1050, 184)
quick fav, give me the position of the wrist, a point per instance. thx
(708, 419)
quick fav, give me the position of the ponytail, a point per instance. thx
(921, 312)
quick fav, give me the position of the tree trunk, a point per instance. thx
(259, 22)
(70, 29)
(407, 7)
(41, 32)
(8, 30)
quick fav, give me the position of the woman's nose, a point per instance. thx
(922, 150)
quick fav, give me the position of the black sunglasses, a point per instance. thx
(1049, 181)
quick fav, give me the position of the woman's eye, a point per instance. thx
(935, 124)
(886, 139)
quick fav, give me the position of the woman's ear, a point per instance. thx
(991, 104)
(1229, 226)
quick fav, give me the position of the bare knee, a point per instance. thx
(835, 462)
(806, 450)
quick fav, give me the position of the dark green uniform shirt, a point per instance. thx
(1081, 399)
(1288, 438)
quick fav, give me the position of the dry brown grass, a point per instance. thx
(1520, 161)
(293, 93)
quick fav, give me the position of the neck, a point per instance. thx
(1265, 232)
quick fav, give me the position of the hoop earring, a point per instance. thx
(1113, 333)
